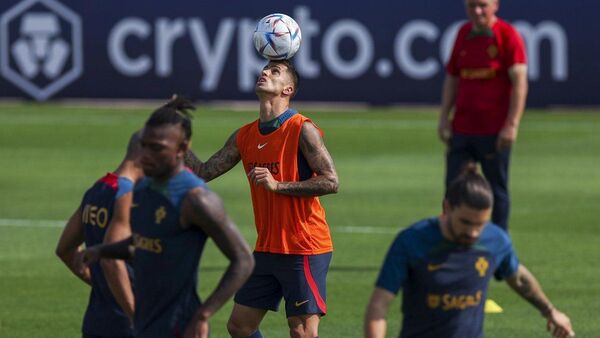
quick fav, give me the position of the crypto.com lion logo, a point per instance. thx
(40, 47)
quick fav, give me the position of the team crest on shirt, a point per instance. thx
(160, 214)
(433, 301)
(492, 51)
(482, 266)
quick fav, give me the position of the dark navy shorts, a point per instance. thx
(298, 279)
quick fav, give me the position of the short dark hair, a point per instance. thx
(176, 111)
(293, 73)
(471, 189)
(134, 147)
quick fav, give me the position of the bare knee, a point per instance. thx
(296, 332)
(240, 330)
(299, 332)
(303, 332)
(304, 326)
(244, 321)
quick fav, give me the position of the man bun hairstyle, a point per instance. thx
(470, 188)
(176, 111)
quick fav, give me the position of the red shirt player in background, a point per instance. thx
(288, 167)
(486, 84)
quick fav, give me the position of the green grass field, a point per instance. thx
(391, 169)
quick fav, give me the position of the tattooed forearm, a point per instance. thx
(525, 284)
(315, 186)
(193, 162)
(218, 164)
(320, 161)
(221, 162)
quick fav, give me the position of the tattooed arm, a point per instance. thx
(203, 208)
(525, 284)
(218, 164)
(319, 160)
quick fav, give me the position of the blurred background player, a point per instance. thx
(172, 216)
(105, 205)
(444, 265)
(288, 166)
(486, 83)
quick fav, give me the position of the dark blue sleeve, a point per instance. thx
(125, 186)
(506, 259)
(394, 271)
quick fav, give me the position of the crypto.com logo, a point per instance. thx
(40, 47)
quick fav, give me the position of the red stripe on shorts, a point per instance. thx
(313, 286)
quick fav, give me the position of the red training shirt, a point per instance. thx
(481, 63)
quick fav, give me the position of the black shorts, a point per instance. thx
(298, 279)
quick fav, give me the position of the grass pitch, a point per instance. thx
(391, 168)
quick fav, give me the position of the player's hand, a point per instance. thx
(559, 325)
(83, 271)
(197, 328)
(444, 131)
(262, 176)
(506, 137)
(88, 257)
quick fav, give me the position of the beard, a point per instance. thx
(458, 238)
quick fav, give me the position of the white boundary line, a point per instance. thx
(40, 223)
(36, 223)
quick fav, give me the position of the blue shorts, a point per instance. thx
(298, 279)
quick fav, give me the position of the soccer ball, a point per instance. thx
(277, 37)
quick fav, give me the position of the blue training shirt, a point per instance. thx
(103, 316)
(444, 284)
(166, 257)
